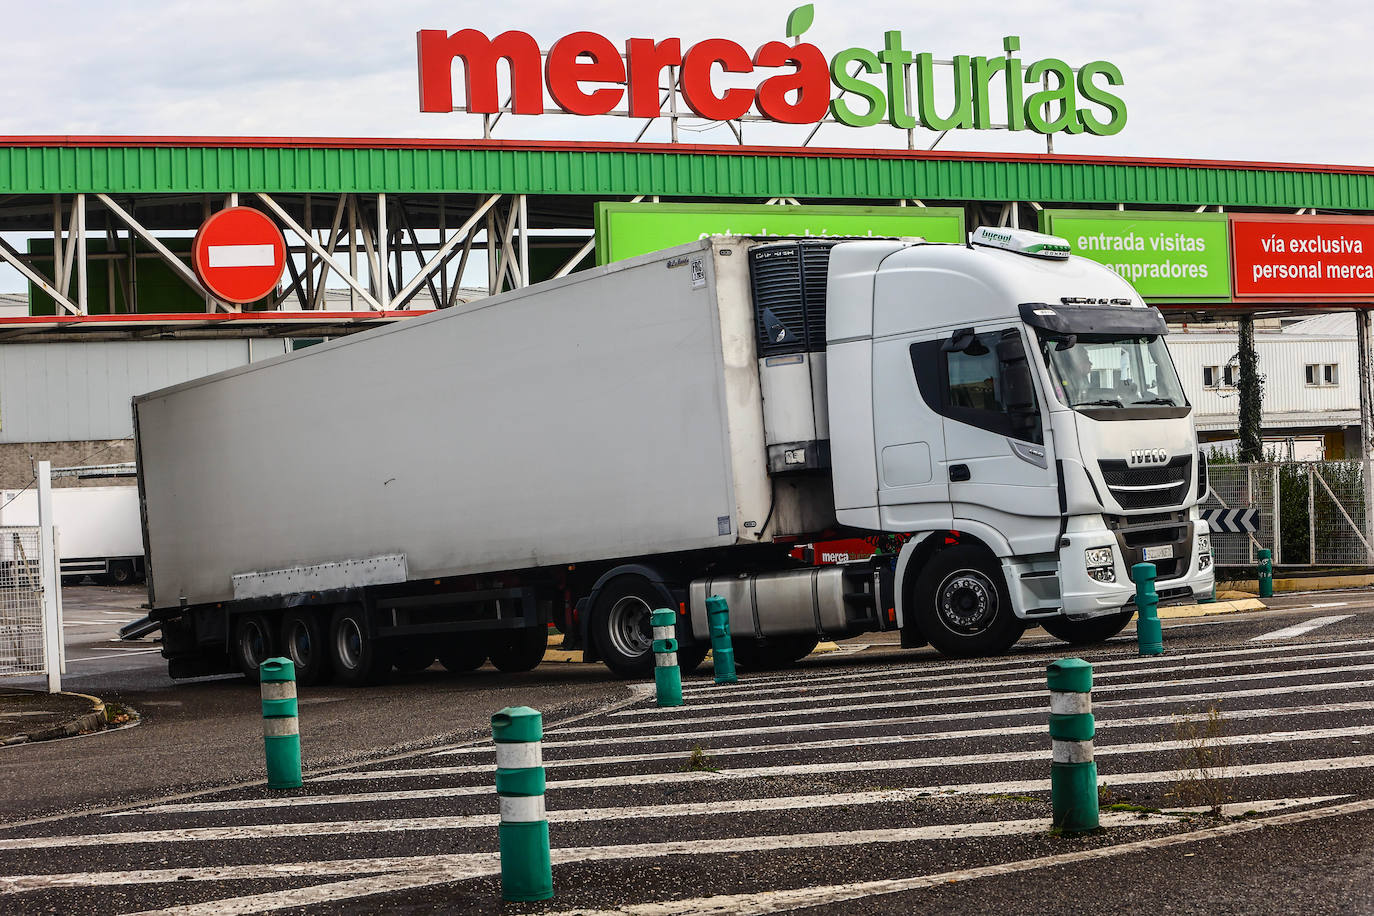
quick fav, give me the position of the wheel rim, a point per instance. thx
(300, 644)
(628, 626)
(350, 643)
(967, 602)
(254, 643)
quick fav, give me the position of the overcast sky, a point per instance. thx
(1282, 80)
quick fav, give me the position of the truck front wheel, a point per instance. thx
(358, 659)
(1087, 632)
(621, 628)
(963, 604)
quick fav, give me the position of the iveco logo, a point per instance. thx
(1149, 456)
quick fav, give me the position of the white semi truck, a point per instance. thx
(654, 431)
(98, 531)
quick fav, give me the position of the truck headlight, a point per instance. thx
(1204, 551)
(1101, 563)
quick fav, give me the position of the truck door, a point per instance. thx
(999, 458)
(913, 488)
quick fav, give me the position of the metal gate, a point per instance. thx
(1310, 513)
(31, 642)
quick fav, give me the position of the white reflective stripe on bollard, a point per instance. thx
(275, 728)
(278, 690)
(665, 660)
(667, 632)
(520, 756)
(1064, 703)
(1072, 751)
(522, 809)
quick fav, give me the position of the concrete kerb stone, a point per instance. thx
(63, 723)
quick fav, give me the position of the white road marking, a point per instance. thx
(762, 903)
(1098, 676)
(1327, 604)
(243, 255)
(1305, 627)
(848, 742)
(124, 654)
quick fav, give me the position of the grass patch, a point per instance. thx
(117, 715)
(1204, 761)
(700, 762)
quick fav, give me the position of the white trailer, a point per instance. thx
(98, 529)
(650, 432)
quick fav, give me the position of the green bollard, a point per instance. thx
(526, 870)
(1211, 595)
(281, 733)
(1266, 573)
(667, 675)
(1073, 774)
(722, 652)
(1148, 633)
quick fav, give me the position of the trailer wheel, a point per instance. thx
(777, 652)
(412, 658)
(463, 654)
(252, 644)
(518, 650)
(304, 640)
(691, 655)
(963, 604)
(621, 629)
(1087, 632)
(121, 572)
(358, 659)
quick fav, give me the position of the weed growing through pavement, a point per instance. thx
(700, 762)
(1204, 763)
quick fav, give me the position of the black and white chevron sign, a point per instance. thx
(1232, 521)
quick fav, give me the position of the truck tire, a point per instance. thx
(775, 652)
(304, 640)
(620, 626)
(412, 658)
(121, 572)
(463, 654)
(252, 644)
(963, 605)
(518, 650)
(1087, 632)
(691, 655)
(358, 659)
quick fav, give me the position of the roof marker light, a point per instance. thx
(1021, 241)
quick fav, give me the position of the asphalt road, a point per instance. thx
(870, 780)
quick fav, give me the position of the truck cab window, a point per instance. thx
(985, 382)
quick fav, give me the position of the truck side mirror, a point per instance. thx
(959, 341)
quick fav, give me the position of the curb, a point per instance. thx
(565, 656)
(1217, 607)
(92, 721)
(1312, 584)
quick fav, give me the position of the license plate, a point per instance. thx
(1163, 552)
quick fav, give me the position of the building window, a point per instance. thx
(1228, 376)
(1211, 376)
(1321, 374)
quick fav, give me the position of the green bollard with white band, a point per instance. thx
(667, 674)
(1073, 773)
(722, 652)
(526, 870)
(1265, 573)
(281, 733)
(1149, 633)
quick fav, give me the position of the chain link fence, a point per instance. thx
(21, 603)
(1310, 513)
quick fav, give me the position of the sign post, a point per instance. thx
(239, 254)
(50, 580)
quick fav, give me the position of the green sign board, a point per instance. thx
(624, 230)
(1165, 256)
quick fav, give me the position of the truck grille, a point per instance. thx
(1136, 532)
(1148, 487)
(788, 285)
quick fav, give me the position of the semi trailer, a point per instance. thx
(651, 432)
(98, 531)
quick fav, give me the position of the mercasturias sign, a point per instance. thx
(587, 74)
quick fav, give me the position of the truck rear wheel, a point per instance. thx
(252, 644)
(358, 658)
(463, 653)
(1087, 632)
(304, 641)
(518, 650)
(412, 657)
(963, 604)
(621, 629)
(775, 652)
(121, 572)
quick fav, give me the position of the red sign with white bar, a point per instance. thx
(1301, 258)
(239, 254)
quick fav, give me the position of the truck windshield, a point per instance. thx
(1092, 370)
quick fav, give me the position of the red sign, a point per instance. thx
(239, 255)
(1303, 258)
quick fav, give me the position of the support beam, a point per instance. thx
(178, 266)
(384, 279)
(16, 260)
(576, 259)
(317, 248)
(1366, 373)
(83, 297)
(445, 251)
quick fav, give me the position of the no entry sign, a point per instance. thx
(239, 255)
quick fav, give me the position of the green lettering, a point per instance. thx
(895, 58)
(1016, 118)
(983, 72)
(962, 113)
(847, 82)
(1041, 106)
(1116, 107)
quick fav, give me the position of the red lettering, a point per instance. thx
(810, 80)
(697, 64)
(647, 61)
(566, 70)
(437, 49)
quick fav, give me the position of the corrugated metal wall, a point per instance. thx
(1282, 359)
(77, 391)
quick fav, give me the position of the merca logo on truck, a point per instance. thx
(587, 74)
